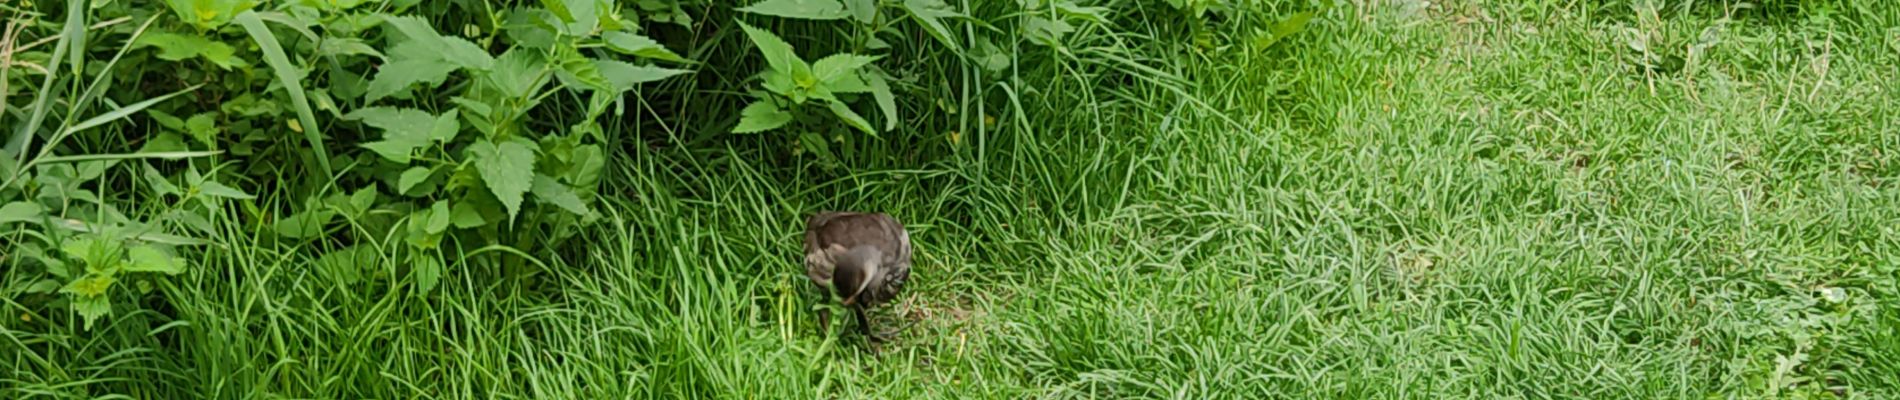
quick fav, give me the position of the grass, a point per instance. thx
(1466, 200)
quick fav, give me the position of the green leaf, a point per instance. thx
(304, 225)
(215, 189)
(405, 129)
(92, 308)
(881, 92)
(446, 126)
(412, 177)
(339, 47)
(151, 259)
(21, 211)
(43, 286)
(1283, 29)
(777, 53)
(346, 266)
(640, 46)
(851, 117)
(203, 127)
(466, 217)
(179, 47)
(550, 191)
(931, 13)
(399, 75)
(518, 73)
(802, 9)
(835, 66)
(93, 285)
(425, 44)
(624, 76)
(508, 170)
(761, 116)
(427, 272)
(864, 10)
(581, 73)
(438, 218)
(584, 166)
(287, 75)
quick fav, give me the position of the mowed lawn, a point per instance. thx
(1409, 200)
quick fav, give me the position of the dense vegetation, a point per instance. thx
(1110, 198)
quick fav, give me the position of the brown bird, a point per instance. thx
(863, 257)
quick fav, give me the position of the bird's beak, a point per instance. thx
(849, 300)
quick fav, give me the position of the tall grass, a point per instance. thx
(1406, 201)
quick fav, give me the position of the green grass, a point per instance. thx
(1471, 200)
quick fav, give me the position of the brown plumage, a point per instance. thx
(864, 258)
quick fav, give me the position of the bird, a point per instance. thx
(863, 258)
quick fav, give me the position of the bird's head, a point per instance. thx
(856, 269)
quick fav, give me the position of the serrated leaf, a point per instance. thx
(581, 73)
(425, 44)
(399, 75)
(304, 225)
(550, 191)
(466, 216)
(639, 46)
(151, 259)
(427, 271)
(624, 76)
(92, 285)
(412, 177)
(215, 189)
(851, 117)
(839, 65)
(21, 211)
(405, 129)
(881, 92)
(92, 308)
(761, 116)
(778, 54)
(507, 169)
(518, 74)
(801, 9)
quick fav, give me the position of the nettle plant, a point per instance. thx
(814, 99)
(477, 167)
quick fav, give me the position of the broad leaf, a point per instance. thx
(835, 66)
(881, 91)
(802, 9)
(777, 53)
(92, 308)
(412, 177)
(428, 271)
(346, 266)
(399, 75)
(637, 45)
(304, 225)
(151, 259)
(438, 220)
(761, 116)
(624, 76)
(179, 47)
(518, 73)
(507, 169)
(466, 216)
(21, 211)
(864, 10)
(550, 191)
(851, 117)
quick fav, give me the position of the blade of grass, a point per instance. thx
(274, 54)
(23, 137)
